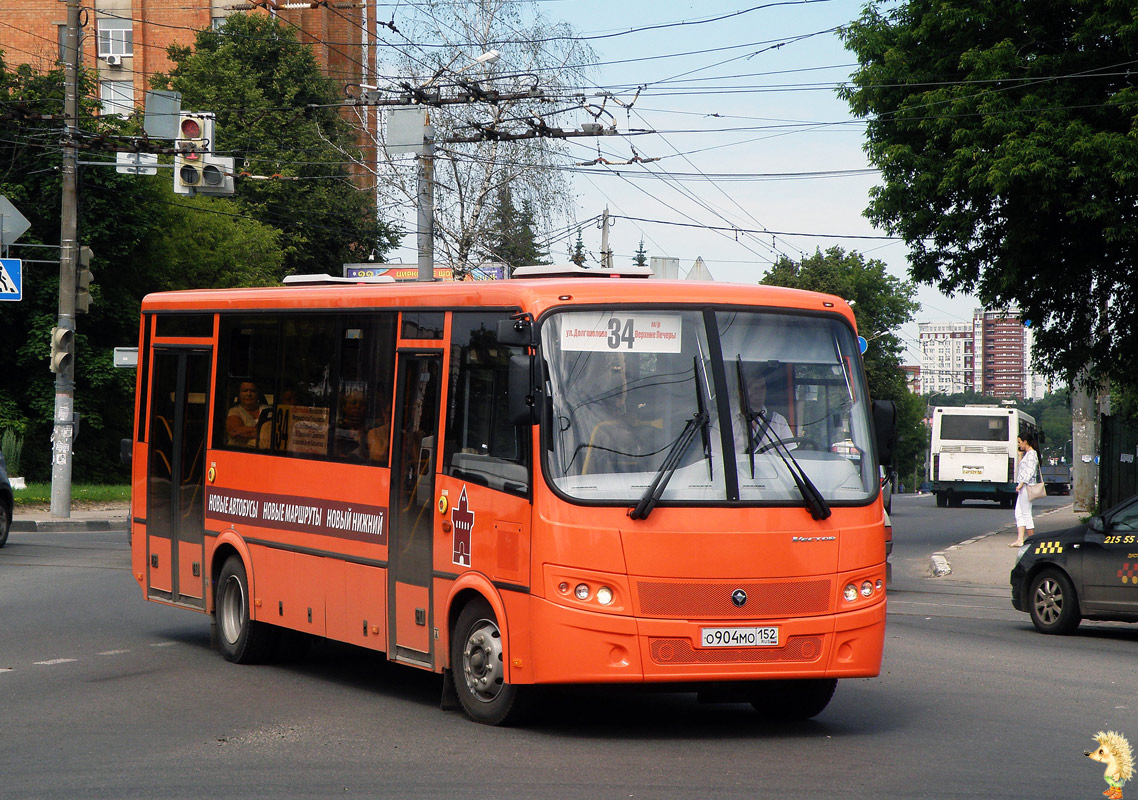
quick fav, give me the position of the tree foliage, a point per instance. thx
(881, 305)
(513, 240)
(1006, 132)
(277, 116)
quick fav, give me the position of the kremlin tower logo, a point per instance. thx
(462, 518)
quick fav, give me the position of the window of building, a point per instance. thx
(116, 37)
(117, 97)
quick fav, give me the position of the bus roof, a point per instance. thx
(533, 295)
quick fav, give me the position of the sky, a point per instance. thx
(750, 135)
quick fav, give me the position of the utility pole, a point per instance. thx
(1084, 438)
(63, 338)
(606, 253)
(426, 203)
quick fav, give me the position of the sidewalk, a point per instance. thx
(37, 519)
(987, 559)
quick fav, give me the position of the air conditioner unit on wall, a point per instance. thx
(114, 61)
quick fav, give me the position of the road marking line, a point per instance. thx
(113, 652)
(55, 661)
(163, 644)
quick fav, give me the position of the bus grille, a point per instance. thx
(713, 601)
(680, 651)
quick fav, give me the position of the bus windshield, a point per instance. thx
(725, 405)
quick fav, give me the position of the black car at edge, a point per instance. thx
(6, 502)
(1089, 571)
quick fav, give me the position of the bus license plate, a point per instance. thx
(738, 637)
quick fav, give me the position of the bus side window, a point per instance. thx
(482, 446)
(245, 383)
(366, 376)
(307, 350)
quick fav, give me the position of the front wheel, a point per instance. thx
(5, 524)
(479, 669)
(242, 640)
(1052, 603)
(792, 699)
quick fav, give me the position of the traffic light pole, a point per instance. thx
(63, 430)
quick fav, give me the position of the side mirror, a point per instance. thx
(126, 451)
(885, 429)
(520, 390)
(516, 331)
(1098, 525)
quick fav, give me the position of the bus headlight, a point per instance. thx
(582, 591)
(604, 595)
(850, 593)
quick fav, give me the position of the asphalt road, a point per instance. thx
(104, 695)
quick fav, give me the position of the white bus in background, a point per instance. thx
(973, 453)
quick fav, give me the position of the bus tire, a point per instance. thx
(479, 669)
(942, 499)
(5, 523)
(241, 639)
(792, 699)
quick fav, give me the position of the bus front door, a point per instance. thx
(412, 517)
(175, 492)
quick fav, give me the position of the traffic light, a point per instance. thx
(83, 276)
(216, 175)
(191, 148)
(62, 345)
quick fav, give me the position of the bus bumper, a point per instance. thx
(578, 646)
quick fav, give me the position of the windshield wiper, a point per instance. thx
(652, 496)
(815, 502)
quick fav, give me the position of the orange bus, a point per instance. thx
(568, 477)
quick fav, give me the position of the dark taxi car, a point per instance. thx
(5, 502)
(1086, 572)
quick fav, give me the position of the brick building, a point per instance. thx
(125, 41)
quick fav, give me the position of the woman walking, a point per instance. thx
(1026, 472)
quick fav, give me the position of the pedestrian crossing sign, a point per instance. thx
(11, 279)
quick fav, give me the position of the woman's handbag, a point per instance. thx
(1037, 490)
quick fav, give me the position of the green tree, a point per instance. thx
(1007, 139)
(513, 239)
(577, 253)
(640, 258)
(881, 305)
(277, 116)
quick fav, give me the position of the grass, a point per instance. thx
(39, 493)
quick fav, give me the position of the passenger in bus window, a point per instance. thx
(241, 422)
(765, 432)
(355, 439)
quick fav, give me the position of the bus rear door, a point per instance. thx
(175, 493)
(412, 517)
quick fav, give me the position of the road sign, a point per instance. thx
(137, 163)
(11, 279)
(12, 222)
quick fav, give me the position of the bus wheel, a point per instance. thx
(792, 699)
(242, 640)
(5, 524)
(476, 660)
(942, 499)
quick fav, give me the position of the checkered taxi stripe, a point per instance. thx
(1129, 573)
(1048, 548)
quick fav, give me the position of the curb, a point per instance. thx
(939, 565)
(66, 525)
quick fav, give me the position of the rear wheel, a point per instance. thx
(5, 524)
(794, 699)
(479, 669)
(942, 500)
(242, 640)
(1052, 603)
